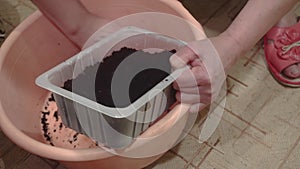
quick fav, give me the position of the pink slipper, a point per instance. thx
(282, 49)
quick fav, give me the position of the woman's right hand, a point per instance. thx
(201, 84)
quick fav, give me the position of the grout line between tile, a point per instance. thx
(178, 155)
(262, 106)
(240, 82)
(28, 5)
(7, 22)
(229, 91)
(209, 145)
(245, 121)
(246, 133)
(206, 155)
(194, 156)
(249, 59)
(215, 148)
(289, 153)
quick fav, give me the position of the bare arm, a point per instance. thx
(71, 17)
(255, 19)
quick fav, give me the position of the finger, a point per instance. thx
(193, 77)
(195, 90)
(187, 98)
(193, 98)
(183, 57)
(196, 62)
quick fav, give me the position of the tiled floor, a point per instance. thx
(259, 129)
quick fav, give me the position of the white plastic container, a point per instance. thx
(112, 127)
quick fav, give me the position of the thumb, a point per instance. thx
(183, 57)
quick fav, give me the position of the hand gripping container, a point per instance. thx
(111, 127)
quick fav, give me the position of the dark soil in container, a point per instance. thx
(95, 82)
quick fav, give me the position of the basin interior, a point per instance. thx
(35, 52)
(33, 48)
